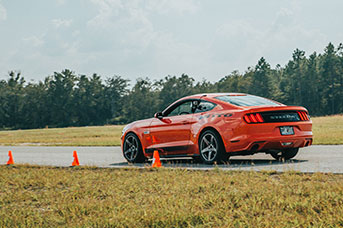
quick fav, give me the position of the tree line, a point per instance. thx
(67, 99)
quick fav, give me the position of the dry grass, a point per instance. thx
(71, 136)
(326, 130)
(90, 197)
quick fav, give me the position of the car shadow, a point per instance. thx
(232, 163)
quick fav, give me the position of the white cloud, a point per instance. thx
(287, 32)
(155, 38)
(3, 12)
(166, 6)
(61, 2)
(131, 21)
(76, 33)
(172, 56)
(236, 45)
(240, 43)
(107, 10)
(34, 41)
(59, 23)
(127, 25)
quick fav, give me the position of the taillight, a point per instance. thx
(253, 118)
(303, 115)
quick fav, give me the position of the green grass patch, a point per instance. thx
(327, 130)
(91, 197)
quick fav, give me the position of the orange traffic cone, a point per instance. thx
(156, 162)
(10, 161)
(76, 160)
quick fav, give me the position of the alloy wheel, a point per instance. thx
(131, 148)
(208, 147)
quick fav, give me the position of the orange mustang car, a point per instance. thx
(215, 126)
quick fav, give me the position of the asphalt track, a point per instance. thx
(311, 159)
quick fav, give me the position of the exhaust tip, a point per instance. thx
(287, 143)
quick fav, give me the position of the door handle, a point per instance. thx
(185, 122)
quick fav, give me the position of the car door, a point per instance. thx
(171, 134)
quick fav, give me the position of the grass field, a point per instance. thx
(326, 130)
(71, 136)
(91, 197)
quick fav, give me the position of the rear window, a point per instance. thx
(247, 100)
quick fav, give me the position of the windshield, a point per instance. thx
(247, 100)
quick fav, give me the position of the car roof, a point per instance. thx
(211, 95)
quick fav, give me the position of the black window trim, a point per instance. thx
(214, 105)
(168, 110)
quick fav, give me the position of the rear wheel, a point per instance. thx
(211, 148)
(132, 149)
(285, 154)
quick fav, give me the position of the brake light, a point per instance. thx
(303, 115)
(246, 118)
(253, 118)
(300, 115)
(259, 118)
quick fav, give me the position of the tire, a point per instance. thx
(211, 148)
(285, 154)
(132, 149)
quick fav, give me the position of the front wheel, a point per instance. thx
(285, 154)
(132, 149)
(211, 148)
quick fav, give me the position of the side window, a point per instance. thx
(204, 106)
(182, 109)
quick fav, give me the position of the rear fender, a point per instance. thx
(196, 139)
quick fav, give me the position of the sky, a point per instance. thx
(206, 39)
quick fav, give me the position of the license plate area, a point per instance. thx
(286, 130)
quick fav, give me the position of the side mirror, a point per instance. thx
(158, 115)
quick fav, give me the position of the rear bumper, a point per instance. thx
(267, 137)
(276, 144)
